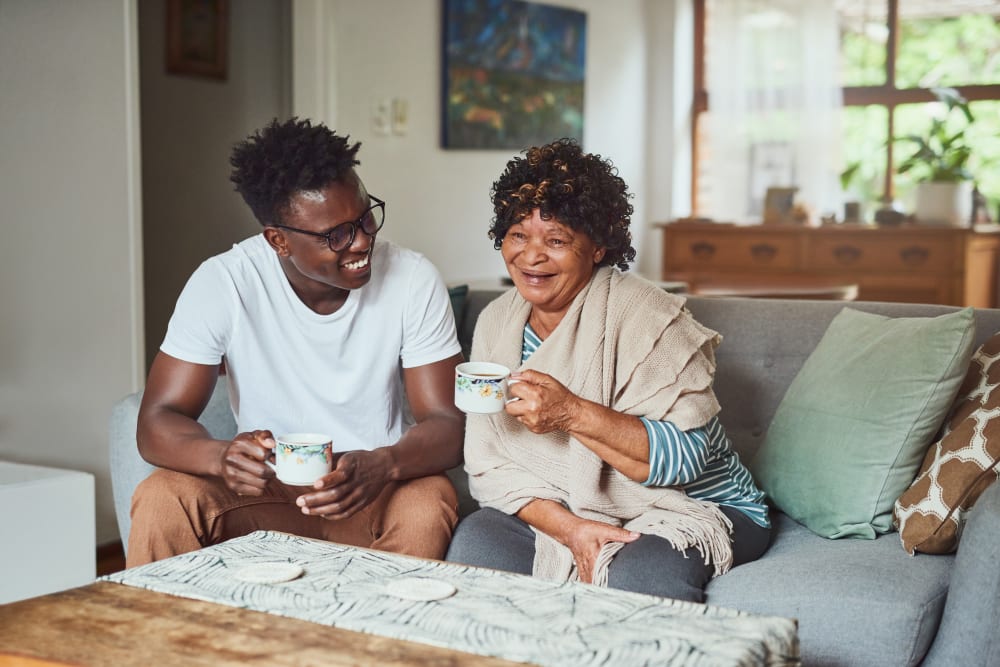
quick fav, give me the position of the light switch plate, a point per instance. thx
(382, 116)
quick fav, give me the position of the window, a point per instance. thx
(892, 54)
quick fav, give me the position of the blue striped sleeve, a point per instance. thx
(676, 457)
(703, 463)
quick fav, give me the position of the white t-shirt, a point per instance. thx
(291, 369)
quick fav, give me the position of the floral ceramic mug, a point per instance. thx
(302, 458)
(481, 387)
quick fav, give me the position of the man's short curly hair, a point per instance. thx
(580, 190)
(283, 158)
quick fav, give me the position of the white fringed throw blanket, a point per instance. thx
(629, 345)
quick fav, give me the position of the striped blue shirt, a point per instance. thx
(701, 460)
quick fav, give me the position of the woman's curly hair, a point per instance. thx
(577, 189)
(283, 158)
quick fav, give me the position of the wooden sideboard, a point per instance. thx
(907, 263)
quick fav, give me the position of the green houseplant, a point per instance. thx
(940, 163)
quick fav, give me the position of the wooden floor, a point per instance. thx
(110, 558)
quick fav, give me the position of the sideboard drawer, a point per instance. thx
(763, 251)
(889, 255)
(905, 263)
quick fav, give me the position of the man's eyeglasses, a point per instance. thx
(342, 236)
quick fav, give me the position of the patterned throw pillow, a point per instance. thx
(930, 514)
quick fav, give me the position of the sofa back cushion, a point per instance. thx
(766, 342)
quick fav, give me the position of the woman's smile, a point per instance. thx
(535, 278)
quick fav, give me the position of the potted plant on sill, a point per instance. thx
(944, 189)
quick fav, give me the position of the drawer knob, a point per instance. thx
(702, 250)
(763, 252)
(914, 255)
(846, 254)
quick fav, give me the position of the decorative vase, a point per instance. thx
(944, 203)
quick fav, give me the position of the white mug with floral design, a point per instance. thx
(302, 458)
(481, 387)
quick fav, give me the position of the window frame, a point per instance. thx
(886, 95)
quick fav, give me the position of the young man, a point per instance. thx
(320, 328)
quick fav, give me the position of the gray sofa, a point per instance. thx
(858, 602)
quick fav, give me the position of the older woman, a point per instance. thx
(611, 466)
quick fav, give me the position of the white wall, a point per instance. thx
(189, 126)
(670, 90)
(438, 200)
(70, 266)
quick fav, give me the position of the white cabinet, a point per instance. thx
(46, 530)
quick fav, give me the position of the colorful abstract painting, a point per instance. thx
(513, 73)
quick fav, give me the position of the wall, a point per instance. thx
(70, 268)
(438, 200)
(670, 90)
(189, 126)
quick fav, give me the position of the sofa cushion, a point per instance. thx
(458, 295)
(858, 602)
(931, 513)
(850, 433)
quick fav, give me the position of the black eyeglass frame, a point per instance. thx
(355, 225)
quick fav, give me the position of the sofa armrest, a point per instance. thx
(128, 468)
(967, 634)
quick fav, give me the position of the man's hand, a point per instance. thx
(545, 405)
(243, 463)
(585, 540)
(355, 481)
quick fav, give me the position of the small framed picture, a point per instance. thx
(771, 163)
(197, 36)
(778, 205)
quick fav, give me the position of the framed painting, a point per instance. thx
(197, 36)
(513, 74)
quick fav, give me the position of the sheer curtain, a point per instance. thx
(774, 104)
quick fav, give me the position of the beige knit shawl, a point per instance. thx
(624, 343)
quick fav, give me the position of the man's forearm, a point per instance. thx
(428, 448)
(177, 442)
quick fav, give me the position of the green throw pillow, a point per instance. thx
(853, 427)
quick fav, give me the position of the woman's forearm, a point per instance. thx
(619, 439)
(549, 517)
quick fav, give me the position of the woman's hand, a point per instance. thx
(356, 480)
(586, 538)
(544, 404)
(243, 463)
(583, 537)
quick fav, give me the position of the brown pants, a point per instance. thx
(174, 513)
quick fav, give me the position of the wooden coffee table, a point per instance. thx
(111, 624)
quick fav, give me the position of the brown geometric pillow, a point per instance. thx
(930, 514)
